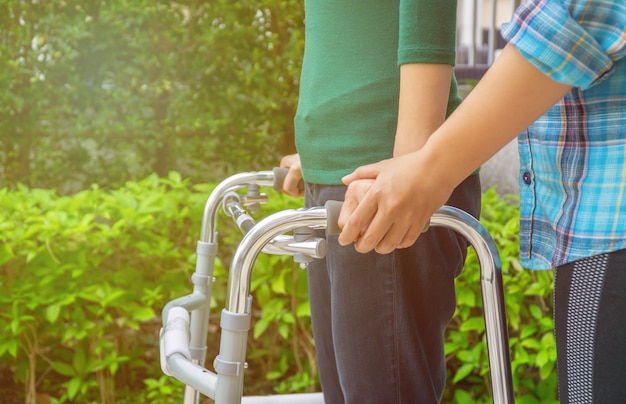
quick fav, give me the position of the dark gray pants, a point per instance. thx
(379, 320)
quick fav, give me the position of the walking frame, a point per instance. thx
(183, 336)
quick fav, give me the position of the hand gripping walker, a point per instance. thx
(183, 337)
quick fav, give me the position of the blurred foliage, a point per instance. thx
(112, 90)
(84, 279)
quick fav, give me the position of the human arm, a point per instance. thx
(423, 100)
(555, 46)
(426, 55)
(408, 189)
(422, 106)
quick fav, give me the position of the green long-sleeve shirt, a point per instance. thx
(349, 86)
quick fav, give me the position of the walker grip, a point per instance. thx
(333, 209)
(279, 178)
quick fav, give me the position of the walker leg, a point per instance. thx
(226, 385)
(463, 223)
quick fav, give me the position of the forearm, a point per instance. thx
(423, 100)
(390, 209)
(509, 98)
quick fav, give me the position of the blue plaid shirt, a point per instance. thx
(573, 159)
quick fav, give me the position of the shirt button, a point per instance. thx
(526, 178)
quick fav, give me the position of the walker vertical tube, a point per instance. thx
(230, 362)
(203, 275)
(492, 293)
(238, 300)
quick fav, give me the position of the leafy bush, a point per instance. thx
(109, 91)
(84, 278)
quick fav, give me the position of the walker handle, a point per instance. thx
(279, 178)
(333, 208)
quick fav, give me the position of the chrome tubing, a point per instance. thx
(236, 316)
(198, 301)
(238, 300)
(237, 181)
(253, 243)
(492, 293)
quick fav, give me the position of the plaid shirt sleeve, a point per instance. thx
(575, 42)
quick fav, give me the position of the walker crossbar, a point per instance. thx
(185, 320)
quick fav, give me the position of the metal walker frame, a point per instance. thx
(185, 319)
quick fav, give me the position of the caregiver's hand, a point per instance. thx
(391, 209)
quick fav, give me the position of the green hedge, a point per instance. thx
(85, 277)
(108, 91)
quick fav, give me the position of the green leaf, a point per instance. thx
(143, 313)
(546, 370)
(261, 326)
(466, 297)
(278, 285)
(531, 343)
(463, 372)
(79, 361)
(288, 317)
(284, 330)
(13, 348)
(304, 309)
(528, 330)
(543, 358)
(536, 311)
(473, 324)
(262, 294)
(274, 375)
(174, 176)
(15, 326)
(64, 369)
(73, 386)
(10, 346)
(52, 312)
(463, 397)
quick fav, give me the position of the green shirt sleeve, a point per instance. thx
(427, 31)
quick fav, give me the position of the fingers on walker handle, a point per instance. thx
(333, 208)
(279, 179)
